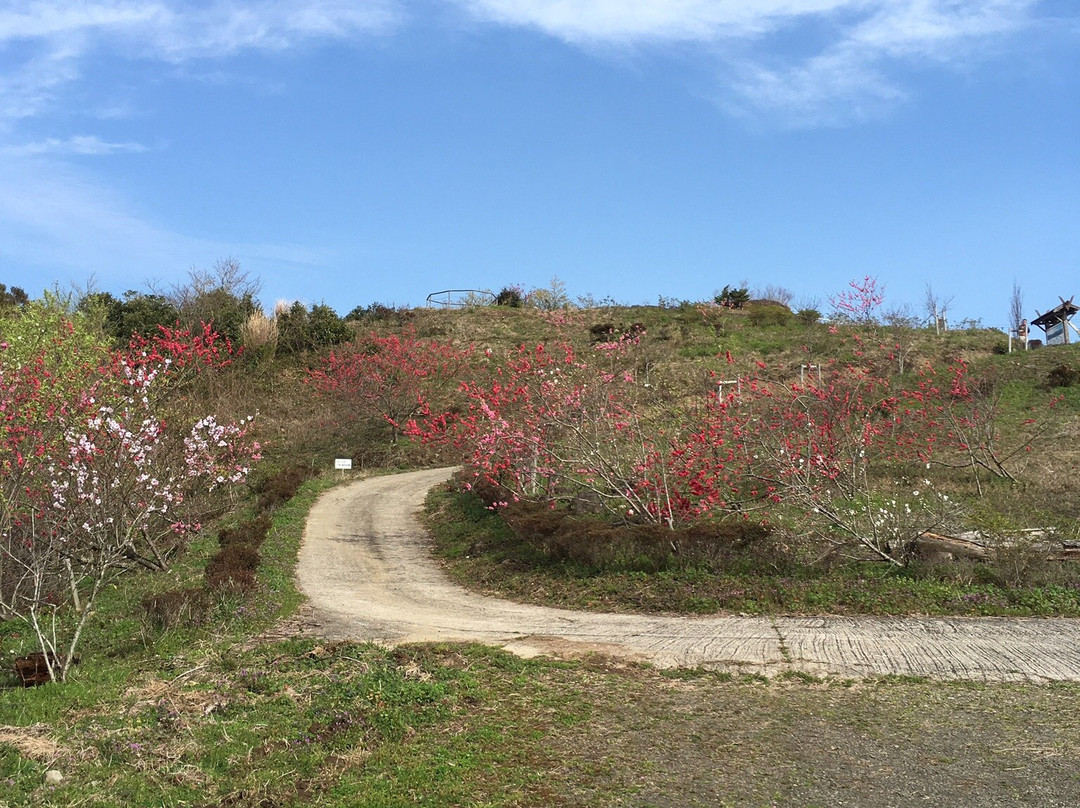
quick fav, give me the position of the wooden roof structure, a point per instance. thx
(1056, 322)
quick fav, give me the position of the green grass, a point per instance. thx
(203, 715)
(294, 722)
(208, 716)
(301, 722)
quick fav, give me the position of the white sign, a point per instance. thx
(343, 463)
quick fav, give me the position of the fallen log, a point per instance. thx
(929, 543)
(963, 548)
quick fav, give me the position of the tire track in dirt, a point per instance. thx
(366, 568)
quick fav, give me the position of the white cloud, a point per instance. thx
(848, 76)
(75, 145)
(177, 29)
(54, 215)
(832, 88)
(856, 43)
(634, 21)
(224, 28)
(53, 37)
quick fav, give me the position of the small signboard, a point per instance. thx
(1055, 334)
(343, 463)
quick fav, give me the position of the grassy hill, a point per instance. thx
(204, 686)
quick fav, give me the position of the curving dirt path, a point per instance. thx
(365, 566)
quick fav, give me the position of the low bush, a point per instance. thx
(253, 532)
(511, 296)
(767, 312)
(281, 486)
(601, 545)
(602, 332)
(1062, 376)
(232, 569)
(188, 605)
(732, 298)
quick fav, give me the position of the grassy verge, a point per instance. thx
(299, 723)
(480, 551)
(208, 716)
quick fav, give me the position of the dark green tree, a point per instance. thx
(137, 313)
(302, 330)
(732, 298)
(12, 297)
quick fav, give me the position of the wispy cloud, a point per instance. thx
(52, 213)
(76, 145)
(850, 63)
(52, 38)
(171, 28)
(637, 21)
(848, 73)
(57, 216)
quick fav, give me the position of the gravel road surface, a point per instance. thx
(366, 567)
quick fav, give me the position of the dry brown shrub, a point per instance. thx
(232, 569)
(252, 532)
(644, 547)
(282, 486)
(184, 605)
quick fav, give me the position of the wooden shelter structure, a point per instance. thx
(1057, 322)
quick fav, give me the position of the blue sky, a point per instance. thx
(352, 152)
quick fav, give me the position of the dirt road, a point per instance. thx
(367, 570)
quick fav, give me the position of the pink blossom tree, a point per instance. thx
(96, 481)
(860, 301)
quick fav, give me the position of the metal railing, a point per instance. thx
(460, 298)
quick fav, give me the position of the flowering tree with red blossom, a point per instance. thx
(96, 479)
(962, 419)
(505, 430)
(393, 378)
(841, 456)
(831, 450)
(847, 451)
(547, 425)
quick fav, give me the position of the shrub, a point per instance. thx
(602, 332)
(252, 532)
(808, 316)
(767, 312)
(552, 298)
(184, 605)
(137, 313)
(282, 486)
(231, 580)
(732, 298)
(599, 544)
(511, 296)
(300, 330)
(232, 569)
(1062, 376)
(609, 332)
(1020, 564)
